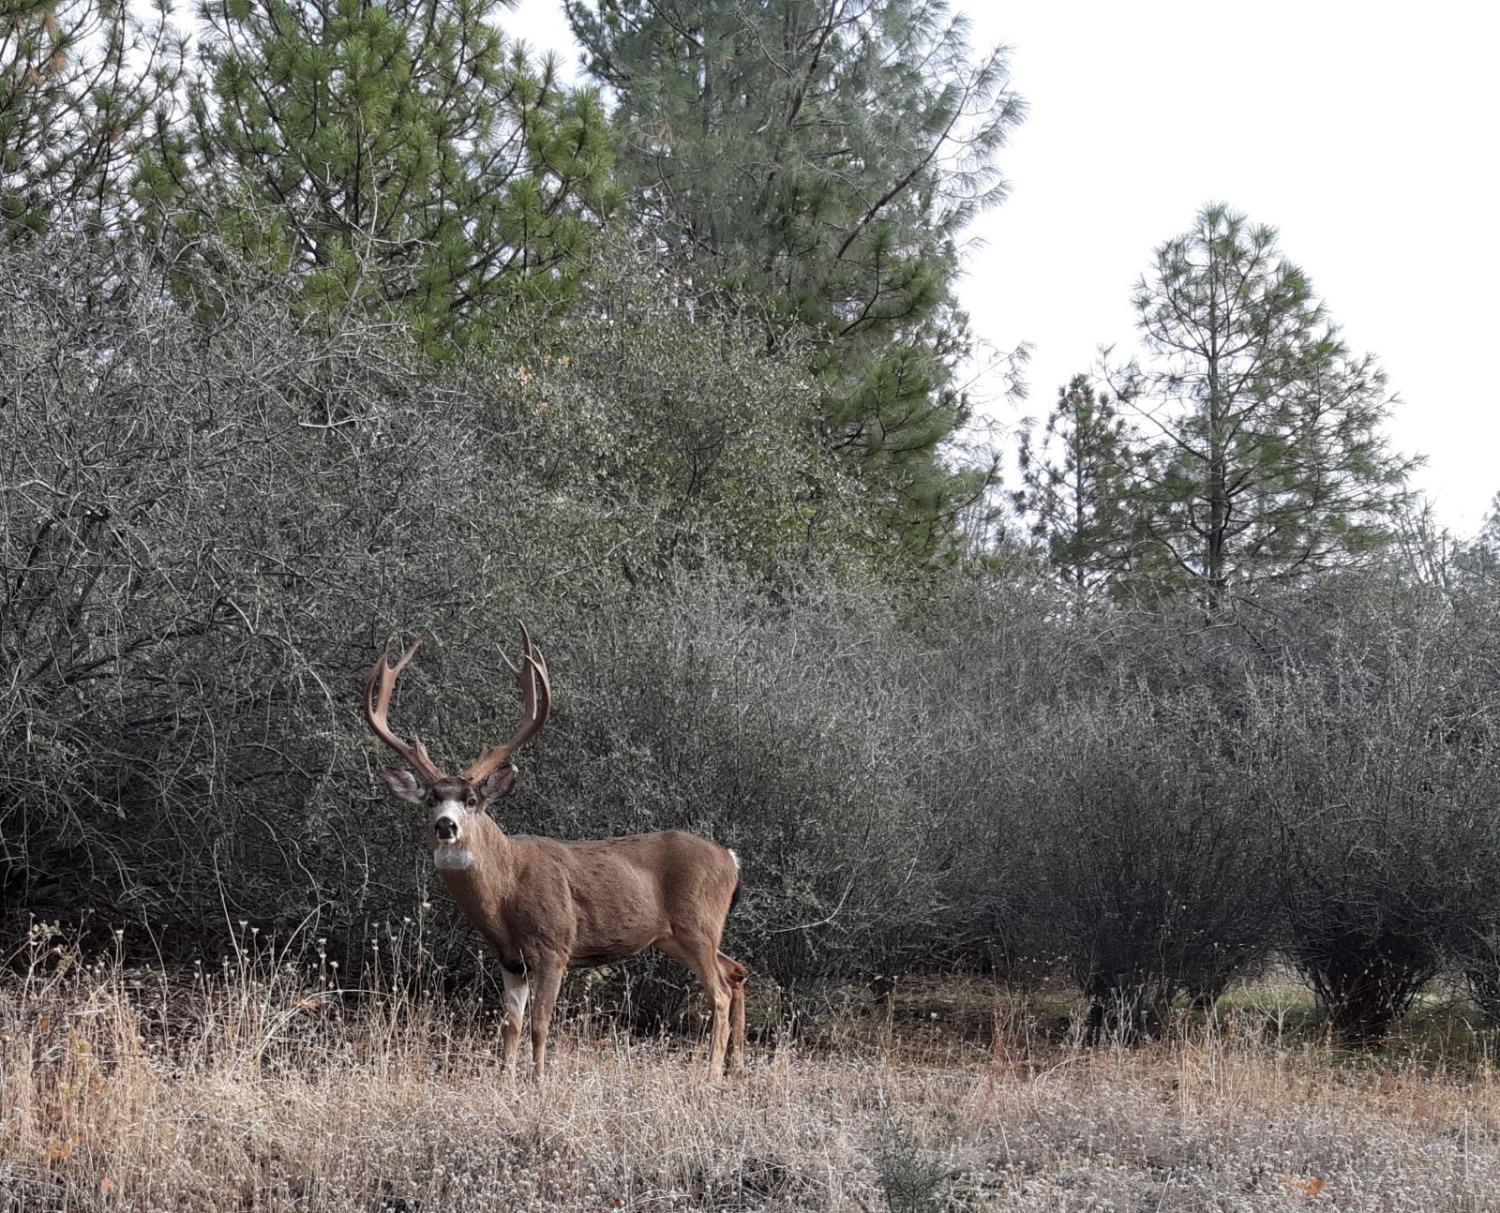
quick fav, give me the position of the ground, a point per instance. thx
(254, 1092)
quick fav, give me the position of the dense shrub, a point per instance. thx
(211, 516)
(1377, 767)
(210, 520)
(1146, 866)
(1478, 954)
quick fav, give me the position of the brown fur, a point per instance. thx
(546, 905)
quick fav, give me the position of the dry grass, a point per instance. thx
(263, 1088)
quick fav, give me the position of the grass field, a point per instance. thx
(260, 1091)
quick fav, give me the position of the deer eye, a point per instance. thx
(471, 799)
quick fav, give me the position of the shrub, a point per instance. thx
(1145, 863)
(1376, 766)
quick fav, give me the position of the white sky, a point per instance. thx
(1357, 130)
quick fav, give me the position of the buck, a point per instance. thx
(543, 904)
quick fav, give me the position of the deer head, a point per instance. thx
(453, 800)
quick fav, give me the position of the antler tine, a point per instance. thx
(536, 706)
(526, 647)
(378, 689)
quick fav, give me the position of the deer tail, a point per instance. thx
(734, 897)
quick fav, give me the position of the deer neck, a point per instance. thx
(479, 871)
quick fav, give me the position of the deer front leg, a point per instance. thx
(548, 976)
(517, 991)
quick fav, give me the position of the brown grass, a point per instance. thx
(263, 1087)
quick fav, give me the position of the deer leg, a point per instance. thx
(734, 974)
(702, 957)
(717, 989)
(549, 975)
(718, 992)
(517, 990)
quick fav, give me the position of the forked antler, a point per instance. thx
(378, 690)
(536, 704)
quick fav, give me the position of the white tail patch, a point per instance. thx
(734, 857)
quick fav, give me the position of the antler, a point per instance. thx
(378, 690)
(536, 704)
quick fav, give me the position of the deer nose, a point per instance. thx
(446, 829)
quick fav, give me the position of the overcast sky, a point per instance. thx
(1358, 135)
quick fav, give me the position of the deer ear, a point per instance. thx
(499, 783)
(405, 785)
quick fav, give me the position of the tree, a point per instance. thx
(1268, 462)
(80, 81)
(824, 157)
(400, 154)
(1478, 560)
(1078, 489)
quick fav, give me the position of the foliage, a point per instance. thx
(209, 517)
(1268, 465)
(825, 157)
(1378, 765)
(209, 521)
(397, 156)
(1078, 493)
(911, 1179)
(695, 442)
(81, 83)
(1479, 955)
(1145, 865)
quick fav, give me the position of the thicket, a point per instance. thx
(212, 517)
(223, 482)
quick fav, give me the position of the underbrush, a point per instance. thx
(268, 1083)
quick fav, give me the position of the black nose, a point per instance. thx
(447, 829)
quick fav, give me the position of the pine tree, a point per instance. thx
(824, 156)
(400, 154)
(80, 84)
(1267, 462)
(1078, 491)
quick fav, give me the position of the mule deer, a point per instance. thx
(544, 904)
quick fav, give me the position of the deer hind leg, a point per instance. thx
(702, 957)
(517, 991)
(723, 1001)
(734, 974)
(549, 975)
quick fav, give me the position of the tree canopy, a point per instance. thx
(403, 154)
(1266, 459)
(825, 157)
(82, 83)
(1243, 447)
